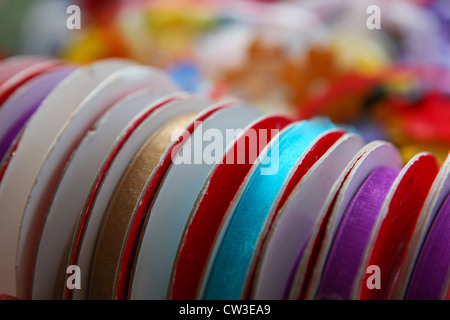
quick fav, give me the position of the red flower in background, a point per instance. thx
(427, 120)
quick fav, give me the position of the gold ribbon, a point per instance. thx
(119, 214)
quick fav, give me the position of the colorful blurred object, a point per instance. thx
(303, 58)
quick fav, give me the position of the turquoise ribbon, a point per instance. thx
(232, 262)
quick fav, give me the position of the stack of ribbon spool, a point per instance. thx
(153, 193)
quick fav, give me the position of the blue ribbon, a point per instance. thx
(232, 262)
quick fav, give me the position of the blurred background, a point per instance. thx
(384, 72)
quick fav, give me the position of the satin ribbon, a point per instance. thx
(121, 84)
(207, 215)
(435, 199)
(13, 83)
(353, 235)
(16, 111)
(13, 65)
(432, 272)
(117, 217)
(138, 130)
(111, 264)
(73, 189)
(312, 260)
(137, 223)
(316, 150)
(21, 171)
(232, 262)
(166, 218)
(399, 217)
(297, 211)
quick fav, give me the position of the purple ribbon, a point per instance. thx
(353, 236)
(24, 103)
(432, 270)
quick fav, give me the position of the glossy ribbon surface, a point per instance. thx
(232, 263)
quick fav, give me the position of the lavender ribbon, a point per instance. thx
(353, 236)
(15, 113)
(432, 270)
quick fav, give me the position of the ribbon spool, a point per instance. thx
(112, 169)
(344, 257)
(74, 87)
(120, 208)
(13, 65)
(430, 279)
(108, 189)
(428, 266)
(439, 190)
(111, 90)
(213, 202)
(21, 171)
(137, 223)
(21, 105)
(293, 224)
(24, 74)
(247, 217)
(304, 164)
(115, 228)
(392, 233)
(311, 259)
(352, 183)
(74, 186)
(166, 218)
